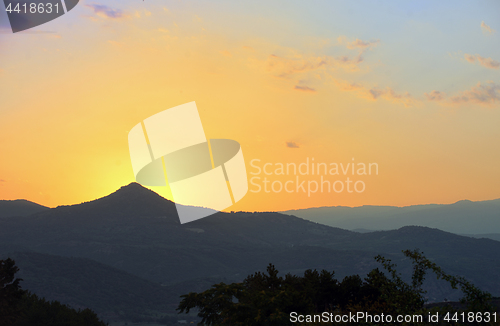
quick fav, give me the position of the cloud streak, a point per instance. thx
(376, 93)
(292, 144)
(485, 62)
(287, 67)
(304, 89)
(435, 96)
(486, 28)
(292, 65)
(104, 11)
(485, 94)
(390, 95)
(358, 44)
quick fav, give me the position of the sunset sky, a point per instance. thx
(413, 86)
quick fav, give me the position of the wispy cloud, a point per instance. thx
(299, 67)
(486, 28)
(348, 62)
(304, 89)
(289, 63)
(2, 180)
(361, 45)
(348, 87)
(292, 144)
(435, 96)
(376, 93)
(391, 95)
(470, 58)
(286, 67)
(104, 11)
(485, 62)
(358, 44)
(486, 94)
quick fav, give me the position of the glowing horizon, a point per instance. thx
(412, 87)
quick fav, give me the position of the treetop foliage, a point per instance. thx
(268, 299)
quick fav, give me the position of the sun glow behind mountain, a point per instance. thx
(418, 95)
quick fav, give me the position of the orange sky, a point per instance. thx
(402, 86)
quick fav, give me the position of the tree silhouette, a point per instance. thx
(22, 308)
(269, 299)
(10, 292)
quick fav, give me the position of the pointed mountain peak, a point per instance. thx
(132, 200)
(134, 192)
(133, 188)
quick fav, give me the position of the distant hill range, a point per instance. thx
(19, 207)
(476, 219)
(106, 253)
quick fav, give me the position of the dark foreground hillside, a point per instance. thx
(84, 283)
(20, 307)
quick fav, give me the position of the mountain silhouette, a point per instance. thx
(19, 207)
(136, 231)
(132, 200)
(462, 217)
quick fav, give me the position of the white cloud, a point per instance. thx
(486, 28)
(485, 62)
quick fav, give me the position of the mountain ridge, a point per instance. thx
(462, 217)
(19, 207)
(137, 231)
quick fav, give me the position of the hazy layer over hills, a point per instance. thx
(133, 236)
(463, 217)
